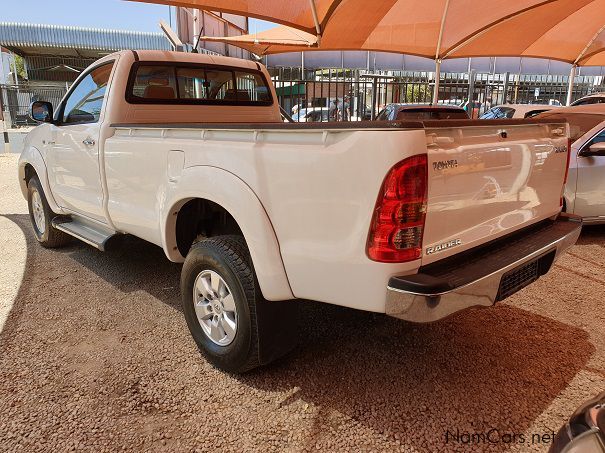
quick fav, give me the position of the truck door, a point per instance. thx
(590, 189)
(74, 172)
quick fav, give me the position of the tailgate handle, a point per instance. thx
(434, 139)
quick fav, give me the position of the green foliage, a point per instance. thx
(20, 67)
(417, 92)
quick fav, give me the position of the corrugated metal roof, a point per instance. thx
(38, 35)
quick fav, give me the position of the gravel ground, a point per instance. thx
(95, 356)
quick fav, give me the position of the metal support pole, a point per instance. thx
(374, 93)
(471, 93)
(505, 95)
(196, 28)
(572, 76)
(3, 127)
(437, 77)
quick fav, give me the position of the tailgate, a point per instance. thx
(488, 179)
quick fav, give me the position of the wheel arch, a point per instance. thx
(32, 163)
(211, 186)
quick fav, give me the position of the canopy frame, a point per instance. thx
(438, 52)
(315, 20)
(572, 73)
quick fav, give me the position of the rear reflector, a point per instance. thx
(398, 221)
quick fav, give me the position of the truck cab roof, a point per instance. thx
(153, 86)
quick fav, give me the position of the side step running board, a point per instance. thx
(92, 234)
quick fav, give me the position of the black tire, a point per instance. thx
(229, 257)
(50, 237)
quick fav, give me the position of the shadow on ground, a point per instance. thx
(482, 369)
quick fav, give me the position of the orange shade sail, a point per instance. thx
(275, 40)
(567, 30)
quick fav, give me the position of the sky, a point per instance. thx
(115, 14)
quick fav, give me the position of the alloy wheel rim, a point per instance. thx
(38, 212)
(215, 307)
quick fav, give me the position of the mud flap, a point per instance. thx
(277, 328)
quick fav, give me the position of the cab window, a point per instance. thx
(196, 84)
(599, 138)
(85, 101)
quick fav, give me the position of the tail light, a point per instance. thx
(398, 221)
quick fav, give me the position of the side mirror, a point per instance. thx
(596, 149)
(41, 111)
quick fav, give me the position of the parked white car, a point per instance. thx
(188, 151)
(312, 114)
(516, 111)
(585, 188)
(595, 98)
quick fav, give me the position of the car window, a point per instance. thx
(533, 113)
(599, 138)
(449, 114)
(86, 100)
(251, 87)
(197, 84)
(154, 82)
(413, 114)
(383, 115)
(506, 112)
(431, 114)
(490, 114)
(587, 101)
(318, 115)
(192, 82)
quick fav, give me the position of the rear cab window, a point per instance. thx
(182, 83)
(432, 114)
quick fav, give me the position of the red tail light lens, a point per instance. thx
(398, 221)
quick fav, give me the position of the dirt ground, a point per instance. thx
(95, 356)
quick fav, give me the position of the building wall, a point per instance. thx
(6, 62)
(212, 24)
(384, 61)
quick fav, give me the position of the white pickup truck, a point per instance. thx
(417, 220)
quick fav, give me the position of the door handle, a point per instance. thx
(88, 142)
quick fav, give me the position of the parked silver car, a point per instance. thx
(585, 189)
(595, 98)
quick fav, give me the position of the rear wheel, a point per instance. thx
(219, 302)
(41, 216)
(225, 310)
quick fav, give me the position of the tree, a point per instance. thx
(20, 64)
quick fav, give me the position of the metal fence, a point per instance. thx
(365, 94)
(360, 95)
(16, 99)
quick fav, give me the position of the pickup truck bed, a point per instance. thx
(414, 219)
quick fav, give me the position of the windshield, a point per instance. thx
(587, 101)
(498, 113)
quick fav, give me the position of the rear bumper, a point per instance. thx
(481, 276)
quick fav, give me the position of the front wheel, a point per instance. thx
(41, 216)
(233, 325)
